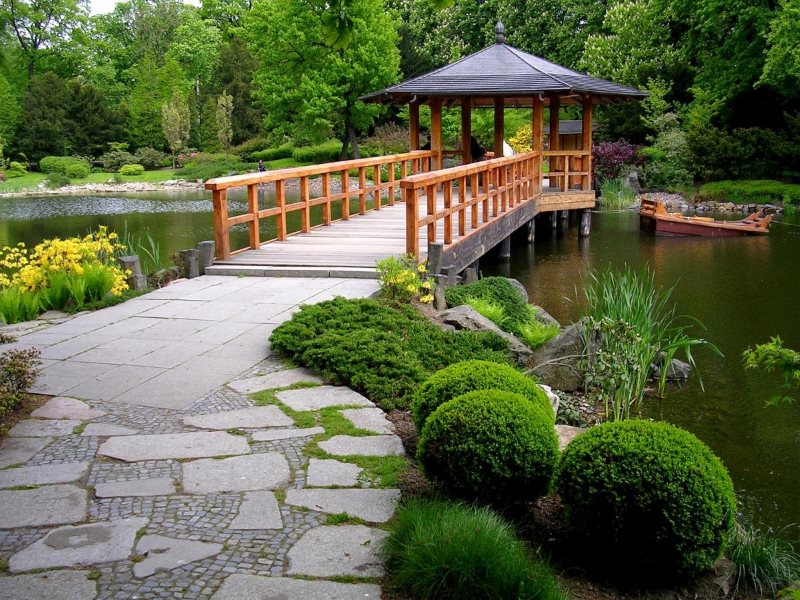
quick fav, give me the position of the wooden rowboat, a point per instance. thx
(654, 218)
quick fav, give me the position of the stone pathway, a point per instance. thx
(153, 473)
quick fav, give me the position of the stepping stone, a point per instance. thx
(165, 553)
(369, 419)
(370, 445)
(15, 451)
(239, 587)
(271, 435)
(160, 486)
(174, 445)
(66, 408)
(43, 475)
(70, 546)
(275, 380)
(259, 510)
(567, 433)
(238, 474)
(61, 585)
(323, 473)
(375, 506)
(47, 505)
(43, 428)
(106, 430)
(248, 418)
(337, 551)
(321, 397)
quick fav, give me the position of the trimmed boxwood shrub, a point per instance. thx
(381, 352)
(77, 171)
(59, 164)
(490, 444)
(651, 498)
(447, 551)
(322, 153)
(468, 376)
(283, 151)
(131, 170)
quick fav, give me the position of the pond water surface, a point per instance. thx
(743, 290)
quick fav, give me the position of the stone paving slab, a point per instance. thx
(175, 388)
(43, 428)
(375, 506)
(369, 419)
(106, 430)
(254, 587)
(259, 510)
(51, 585)
(159, 486)
(66, 408)
(44, 474)
(237, 474)
(324, 473)
(323, 396)
(71, 546)
(369, 445)
(246, 418)
(567, 433)
(199, 444)
(337, 551)
(15, 451)
(46, 505)
(115, 382)
(271, 435)
(166, 553)
(275, 380)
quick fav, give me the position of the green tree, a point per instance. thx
(308, 87)
(41, 26)
(153, 87)
(44, 130)
(207, 136)
(91, 121)
(782, 66)
(9, 110)
(175, 122)
(234, 73)
(224, 127)
(228, 15)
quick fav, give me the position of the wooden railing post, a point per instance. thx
(412, 222)
(346, 192)
(221, 237)
(326, 193)
(252, 207)
(280, 203)
(362, 191)
(305, 212)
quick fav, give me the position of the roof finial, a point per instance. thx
(499, 33)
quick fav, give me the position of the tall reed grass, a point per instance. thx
(615, 194)
(146, 247)
(636, 326)
(763, 562)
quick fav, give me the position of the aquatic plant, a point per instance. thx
(763, 562)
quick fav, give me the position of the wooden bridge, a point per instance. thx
(364, 210)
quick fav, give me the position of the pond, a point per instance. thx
(743, 290)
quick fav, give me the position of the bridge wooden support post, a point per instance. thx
(505, 249)
(435, 251)
(532, 230)
(586, 223)
(564, 214)
(470, 274)
(553, 216)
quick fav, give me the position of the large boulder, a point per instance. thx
(556, 363)
(678, 370)
(545, 317)
(520, 288)
(465, 317)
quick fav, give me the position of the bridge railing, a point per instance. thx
(472, 197)
(376, 179)
(570, 169)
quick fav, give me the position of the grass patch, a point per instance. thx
(19, 488)
(615, 194)
(30, 181)
(343, 518)
(448, 551)
(3, 565)
(79, 429)
(751, 191)
(302, 419)
(763, 562)
(106, 301)
(335, 423)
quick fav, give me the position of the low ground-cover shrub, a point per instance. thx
(151, 158)
(205, 165)
(18, 371)
(57, 180)
(490, 444)
(747, 191)
(467, 376)
(647, 498)
(325, 152)
(246, 148)
(131, 170)
(59, 164)
(114, 160)
(283, 151)
(440, 550)
(762, 561)
(379, 351)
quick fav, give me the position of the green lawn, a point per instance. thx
(32, 180)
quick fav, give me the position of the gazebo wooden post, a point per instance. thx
(499, 125)
(436, 132)
(413, 126)
(466, 130)
(586, 144)
(537, 137)
(555, 140)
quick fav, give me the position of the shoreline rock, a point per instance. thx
(678, 202)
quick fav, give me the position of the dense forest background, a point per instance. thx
(723, 75)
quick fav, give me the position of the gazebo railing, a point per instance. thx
(458, 202)
(377, 177)
(569, 169)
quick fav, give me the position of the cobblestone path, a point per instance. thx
(271, 485)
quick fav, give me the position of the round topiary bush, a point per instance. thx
(490, 444)
(650, 497)
(131, 170)
(468, 376)
(77, 171)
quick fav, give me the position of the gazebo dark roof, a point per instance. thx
(502, 70)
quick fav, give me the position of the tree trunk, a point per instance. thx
(351, 133)
(345, 146)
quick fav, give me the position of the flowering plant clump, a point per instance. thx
(402, 279)
(57, 272)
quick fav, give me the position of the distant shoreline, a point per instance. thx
(132, 187)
